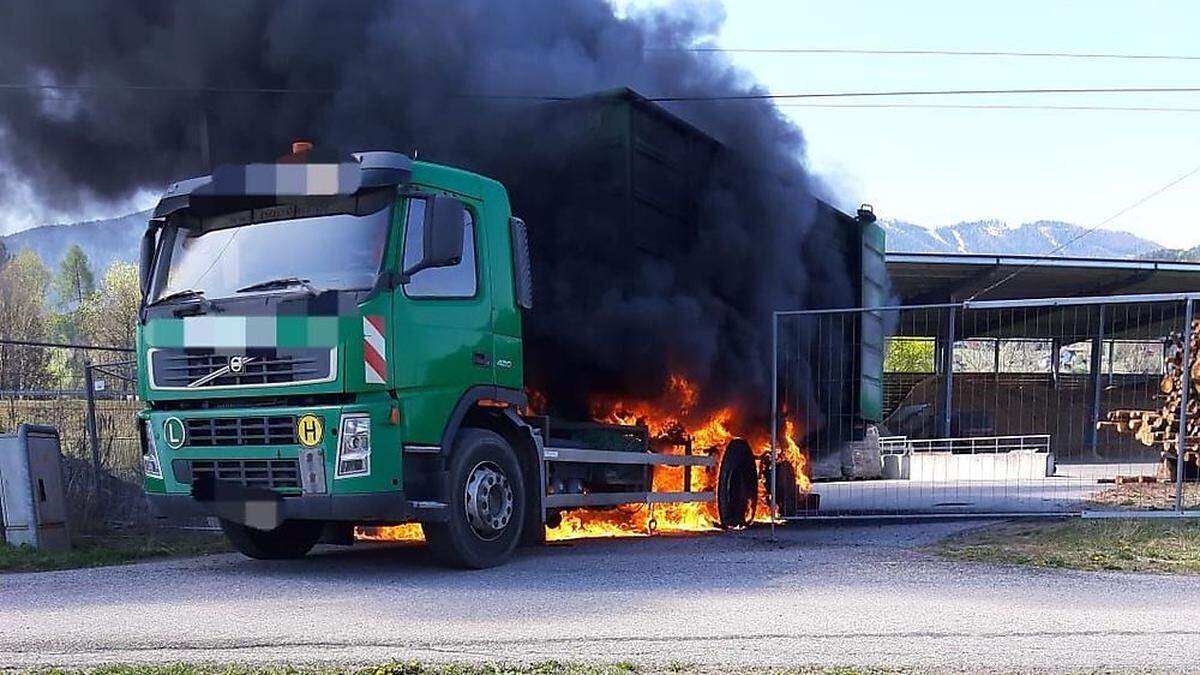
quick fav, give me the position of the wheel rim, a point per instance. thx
(488, 500)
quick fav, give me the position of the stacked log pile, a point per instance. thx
(1159, 428)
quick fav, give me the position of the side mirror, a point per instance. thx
(442, 238)
(146, 258)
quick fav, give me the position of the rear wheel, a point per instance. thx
(487, 503)
(292, 539)
(787, 499)
(737, 485)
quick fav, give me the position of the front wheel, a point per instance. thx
(292, 539)
(487, 503)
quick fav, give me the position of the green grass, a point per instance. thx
(110, 550)
(1170, 546)
(415, 668)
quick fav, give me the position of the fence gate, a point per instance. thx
(1055, 406)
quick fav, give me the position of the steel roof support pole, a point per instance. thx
(996, 360)
(1055, 360)
(947, 354)
(1096, 371)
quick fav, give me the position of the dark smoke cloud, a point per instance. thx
(414, 75)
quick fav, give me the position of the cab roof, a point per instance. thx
(289, 177)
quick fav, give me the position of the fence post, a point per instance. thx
(774, 412)
(93, 438)
(948, 373)
(1183, 404)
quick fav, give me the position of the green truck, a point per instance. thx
(325, 344)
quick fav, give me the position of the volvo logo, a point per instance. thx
(235, 366)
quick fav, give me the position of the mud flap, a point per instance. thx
(259, 508)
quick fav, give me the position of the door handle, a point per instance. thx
(480, 359)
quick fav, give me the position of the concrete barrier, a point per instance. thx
(895, 466)
(934, 467)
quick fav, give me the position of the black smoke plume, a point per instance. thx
(446, 80)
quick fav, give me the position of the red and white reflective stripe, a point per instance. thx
(374, 350)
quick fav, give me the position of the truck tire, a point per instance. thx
(737, 485)
(292, 539)
(787, 499)
(486, 503)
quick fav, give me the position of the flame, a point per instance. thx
(672, 420)
(405, 532)
(790, 452)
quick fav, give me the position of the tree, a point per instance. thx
(975, 356)
(109, 316)
(23, 316)
(3, 254)
(75, 281)
(907, 355)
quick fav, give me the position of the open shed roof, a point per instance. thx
(925, 278)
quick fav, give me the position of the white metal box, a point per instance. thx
(33, 504)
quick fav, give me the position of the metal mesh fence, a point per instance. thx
(102, 461)
(1048, 406)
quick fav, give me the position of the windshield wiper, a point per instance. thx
(282, 282)
(178, 295)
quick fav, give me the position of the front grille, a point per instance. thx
(229, 431)
(196, 368)
(275, 474)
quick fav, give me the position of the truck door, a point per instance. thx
(443, 326)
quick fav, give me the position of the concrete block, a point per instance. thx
(934, 467)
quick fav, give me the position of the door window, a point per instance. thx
(457, 281)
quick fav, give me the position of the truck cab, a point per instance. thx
(327, 344)
(314, 334)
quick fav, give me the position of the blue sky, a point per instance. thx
(938, 167)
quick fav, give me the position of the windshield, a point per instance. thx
(340, 251)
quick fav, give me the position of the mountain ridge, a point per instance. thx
(105, 241)
(1035, 238)
(112, 240)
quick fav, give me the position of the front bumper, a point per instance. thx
(266, 510)
(269, 438)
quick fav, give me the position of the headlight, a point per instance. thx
(150, 454)
(354, 446)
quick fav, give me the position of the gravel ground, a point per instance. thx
(833, 594)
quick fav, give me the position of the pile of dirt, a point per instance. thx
(1145, 496)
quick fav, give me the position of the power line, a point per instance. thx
(17, 86)
(931, 52)
(1090, 230)
(64, 345)
(931, 92)
(160, 89)
(988, 106)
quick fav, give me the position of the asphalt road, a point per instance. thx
(827, 594)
